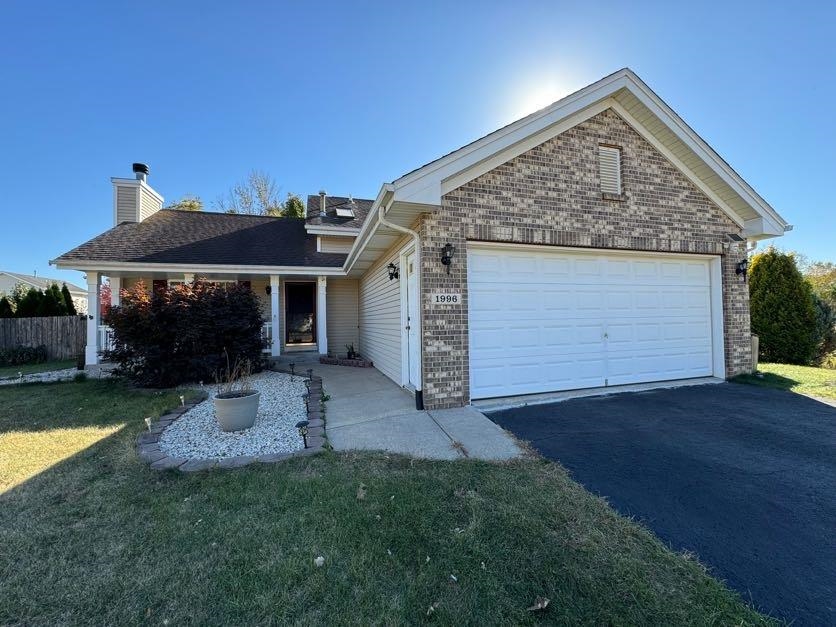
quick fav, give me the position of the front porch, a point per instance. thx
(299, 315)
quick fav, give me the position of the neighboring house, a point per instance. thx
(597, 242)
(10, 280)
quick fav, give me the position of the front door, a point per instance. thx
(413, 344)
(300, 313)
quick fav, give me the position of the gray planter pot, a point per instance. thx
(237, 413)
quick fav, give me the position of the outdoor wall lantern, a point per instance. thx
(741, 268)
(447, 255)
(268, 290)
(394, 273)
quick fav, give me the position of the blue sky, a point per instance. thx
(349, 95)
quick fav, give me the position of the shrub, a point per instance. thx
(184, 333)
(6, 310)
(782, 308)
(825, 331)
(20, 355)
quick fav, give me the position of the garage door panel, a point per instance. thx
(555, 320)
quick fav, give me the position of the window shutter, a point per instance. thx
(609, 159)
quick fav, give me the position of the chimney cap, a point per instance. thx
(141, 168)
(322, 192)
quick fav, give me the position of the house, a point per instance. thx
(10, 280)
(597, 242)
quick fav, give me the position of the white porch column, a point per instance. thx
(91, 353)
(115, 288)
(321, 320)
(275, 311)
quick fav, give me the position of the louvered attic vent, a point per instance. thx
(609, 159)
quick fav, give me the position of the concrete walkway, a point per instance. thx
(367, 411)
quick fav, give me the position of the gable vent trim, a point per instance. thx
(609, 159)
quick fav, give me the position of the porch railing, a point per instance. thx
(267, 334)
(106, 336)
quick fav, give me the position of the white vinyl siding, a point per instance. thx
(343, 306)
(148, 205)
(126, 198)
(610, 164)
(380, 316)
(335, 244)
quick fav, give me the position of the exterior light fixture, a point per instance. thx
(302, 425)
(741, 268)
(268, 290)
(310, 374)
(292, 368)
(394, 272)
(447, 255)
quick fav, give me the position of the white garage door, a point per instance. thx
(544, 320)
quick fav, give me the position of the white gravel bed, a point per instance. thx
(196, 434)
(42, 377)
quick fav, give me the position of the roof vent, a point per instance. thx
(322, 203)
(141, 171)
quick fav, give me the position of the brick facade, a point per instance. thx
(551, 195)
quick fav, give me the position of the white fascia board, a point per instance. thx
(122, 266)
(685, 133)
(519, 130)
(369, 226)
(678, 164)
(337, 231)
(426, 185)
(762, 228)
(532, 141)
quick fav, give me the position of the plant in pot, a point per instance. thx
(352, 354)
(236, 403)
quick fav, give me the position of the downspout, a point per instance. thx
(419, 391)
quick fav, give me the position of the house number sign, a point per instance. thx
(447, 299)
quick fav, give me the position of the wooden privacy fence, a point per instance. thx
(63, 336)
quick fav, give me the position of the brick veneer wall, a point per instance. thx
(551, 195)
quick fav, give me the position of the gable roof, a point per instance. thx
(417, 191)
(361, 207)
(42, 282)
(199, 238)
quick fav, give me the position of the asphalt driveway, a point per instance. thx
(743, 477)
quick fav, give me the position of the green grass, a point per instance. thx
(818, 382)
(97, 537)
(12, 371)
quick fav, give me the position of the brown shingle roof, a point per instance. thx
(361, 208)
(205, 238)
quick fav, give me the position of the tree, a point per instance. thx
(187, 203)
(293, 207)
(257, 195)
(29, 304)
(782, 308)
(68, 300)
(52, 302)
(6, 310)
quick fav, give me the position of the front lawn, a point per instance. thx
(12, 371)
(88, 534)
(819, 382)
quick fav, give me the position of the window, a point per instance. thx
(345, 212)
(609, 159)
